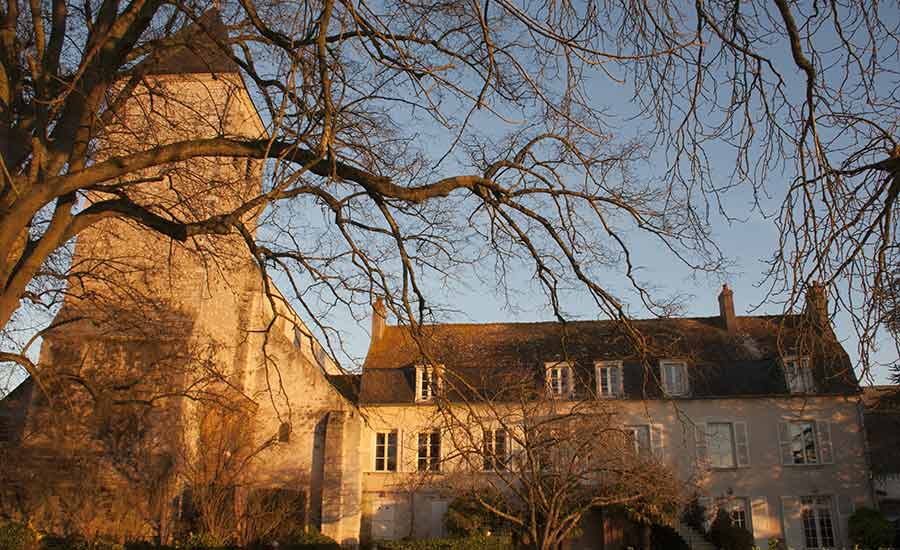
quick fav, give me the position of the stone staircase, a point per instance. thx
(693, 538)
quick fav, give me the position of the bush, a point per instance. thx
(199, 541)
(725, 534)
(466, 543)
(18, 536)
(310, 541)
(870, 529)
(695, 515)
(663, 537)
(466, 519)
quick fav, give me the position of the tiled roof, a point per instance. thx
(745, 362)
(346, 384)
(194, 50)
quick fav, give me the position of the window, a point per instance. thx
(427, 382)
(799, 375)
(802, 441)
(736, 508)
(818, 527)
(430, 452)
(674, 377)
(496, 450)
(559, 380)
(639, 437)
(609, 379)
(720, 445)
(386, 451)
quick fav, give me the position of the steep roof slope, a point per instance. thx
(194, 50)
(743, 362)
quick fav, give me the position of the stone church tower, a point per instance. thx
(172, 366)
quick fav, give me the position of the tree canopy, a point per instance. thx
(405, 139)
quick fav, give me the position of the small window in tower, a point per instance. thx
(284, 432)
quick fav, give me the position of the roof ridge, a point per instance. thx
(583, 321)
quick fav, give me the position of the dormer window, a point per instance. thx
(673, 375)
(560, 383)
(609, 379)
(427, 382)
(799, 375)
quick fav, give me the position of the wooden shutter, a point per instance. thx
(759, 518)
(656, 440)
(664, 378)
(784, 440)
(792, 520)
(742, 444)
(823, 439)
(700, 443)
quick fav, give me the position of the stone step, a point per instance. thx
(693, 538)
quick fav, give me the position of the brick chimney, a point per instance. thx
(726, 309)
(379, 315)
(817, 304)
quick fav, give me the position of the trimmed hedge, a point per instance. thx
(467, 543)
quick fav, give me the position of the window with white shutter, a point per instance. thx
(560, 380)
(799, 375)
(609, 378)
(673, 375)
(428, 382)
(742, 444)
(759, 510)
(805, 442)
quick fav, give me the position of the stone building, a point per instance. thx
(758, 414)
(882, 419)
(161, 346)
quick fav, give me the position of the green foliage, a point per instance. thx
(663, 537)
(777, 544)
(728, 536)
(312, 540)
(870, 530)
(466, 543)
(465, 518)
(18, 536)
(199, 541)
(76, 542)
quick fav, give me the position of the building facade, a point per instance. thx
(757, 415)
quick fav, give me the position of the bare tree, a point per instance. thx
(406, 139)
(541, 464)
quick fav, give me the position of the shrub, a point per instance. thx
(18, 536)
(695, 515)
(725, 534)
(466, 543)
(199, 541)
(465, 518)
(870, 529)
(312, 540)
(663, 537)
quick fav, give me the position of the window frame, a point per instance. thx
(816, 504)
(635, 440)
(815, 441)
(615, 390)
(560, 366)
(430, 460)
(667, 390)
(387, 454)
(709, 445)
(798, 374)
(432, 375)
(490, 458)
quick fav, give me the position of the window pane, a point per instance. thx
(720, 445)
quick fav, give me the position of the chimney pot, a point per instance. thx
(379, 316)
(817, 304)
(726, 309)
